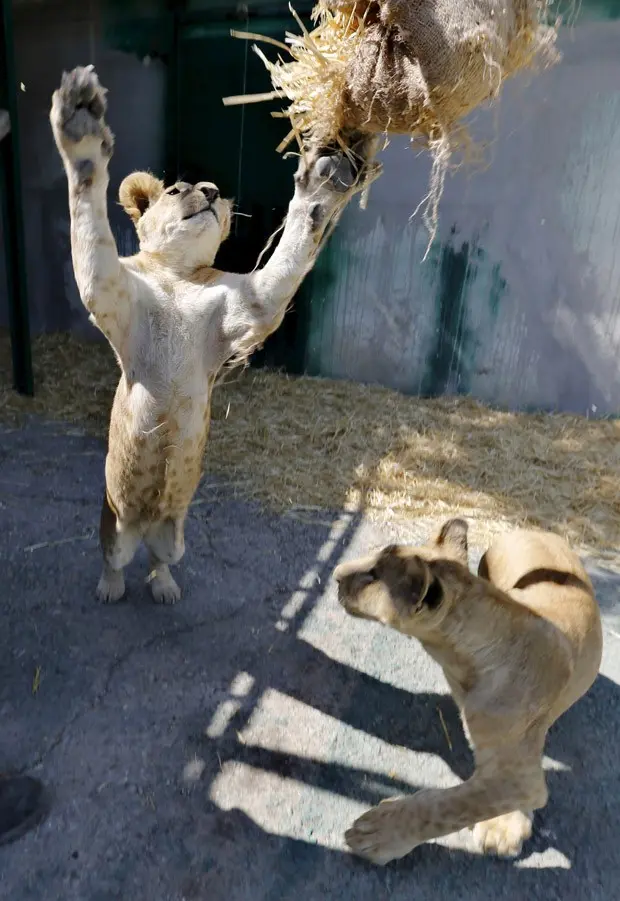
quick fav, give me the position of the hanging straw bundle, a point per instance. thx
(413, 67)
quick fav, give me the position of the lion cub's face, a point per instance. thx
(185, 222)
(407, 588)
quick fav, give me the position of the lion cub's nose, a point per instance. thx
(340, 572)
(210, 192)
(346, 571)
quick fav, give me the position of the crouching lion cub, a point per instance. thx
(172, 319)
(519, 643)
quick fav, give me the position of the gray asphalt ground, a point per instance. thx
(217, 750)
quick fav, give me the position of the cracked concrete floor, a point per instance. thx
(218, 749)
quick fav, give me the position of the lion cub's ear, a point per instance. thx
(452, 539)
(138, 191)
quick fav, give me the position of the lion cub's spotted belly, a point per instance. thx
(155, 454)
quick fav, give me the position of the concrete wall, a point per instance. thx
(518, 302)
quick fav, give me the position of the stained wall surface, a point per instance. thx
(518, 301)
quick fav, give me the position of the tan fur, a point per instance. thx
(519, 644)
(171, 318)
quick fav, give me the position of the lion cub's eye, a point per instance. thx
(363, 580)
(172, 191)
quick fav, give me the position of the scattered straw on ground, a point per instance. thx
(296, 444)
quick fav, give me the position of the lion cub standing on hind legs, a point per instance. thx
(518, 644)
(172, 320)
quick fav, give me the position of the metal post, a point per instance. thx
(12, 216)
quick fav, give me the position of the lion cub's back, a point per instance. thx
(541, 571)
(514, 555)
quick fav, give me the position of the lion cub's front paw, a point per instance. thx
(327, 173)
(323, 183)
(384, 833)
(505, 835)
(335, 170)
(78, 108)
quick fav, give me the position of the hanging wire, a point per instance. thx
(245, 9)
(91, 32)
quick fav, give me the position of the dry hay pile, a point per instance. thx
(413, 67)
(75, 382)
(299, 445)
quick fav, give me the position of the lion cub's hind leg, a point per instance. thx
(164, 588)
(504, 835)
(119, 543)
(166, 544)
(508, 782)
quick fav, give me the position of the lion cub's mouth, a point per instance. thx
(352, 611)
(205, 209)
(350, 608)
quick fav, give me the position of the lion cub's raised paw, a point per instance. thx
(78, 108)
(325, 173)
(504, 836)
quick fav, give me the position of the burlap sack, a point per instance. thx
(413, 67)
(424, 64)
